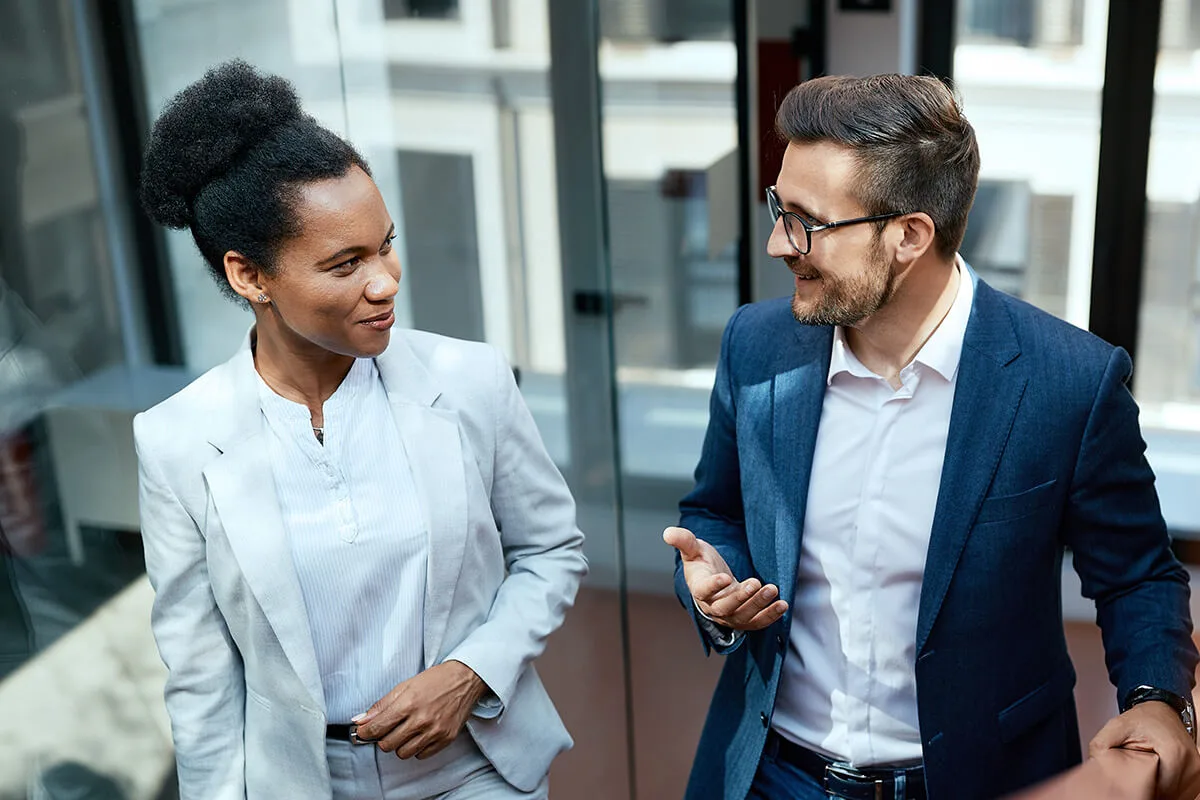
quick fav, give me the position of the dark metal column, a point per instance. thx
(1126, 111)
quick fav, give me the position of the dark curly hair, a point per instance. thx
(227, 158)
(916, 149)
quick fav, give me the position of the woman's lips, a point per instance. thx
(380, 323)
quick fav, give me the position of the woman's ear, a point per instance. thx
(245, 277)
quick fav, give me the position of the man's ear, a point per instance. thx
(917, 237)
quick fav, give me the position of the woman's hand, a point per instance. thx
(423, 715)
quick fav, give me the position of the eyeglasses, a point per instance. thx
(794, 224)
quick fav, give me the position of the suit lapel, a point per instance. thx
(433, 444)
(242, 487)
(797, 398)
(987, 394)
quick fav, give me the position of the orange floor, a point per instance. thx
(672, 682)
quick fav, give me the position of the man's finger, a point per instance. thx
(1110, 736)
(685, 542)
(756, 603)
(767, 617)
(714, 587)
(727, 606)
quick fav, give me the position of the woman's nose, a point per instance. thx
(382, 286)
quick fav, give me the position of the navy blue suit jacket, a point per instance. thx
(1044, 452)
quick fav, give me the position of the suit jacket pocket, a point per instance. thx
(1014, 506)
(1038, 705)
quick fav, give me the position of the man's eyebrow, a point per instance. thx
(789, 205)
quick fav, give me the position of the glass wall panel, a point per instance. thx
(450, 103)
(1167, 362)
(70, 558)
(1030, 74)
(670, 156)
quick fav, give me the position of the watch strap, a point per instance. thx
(1182, 705)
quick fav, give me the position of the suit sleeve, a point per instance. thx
(205, 691)
(543, 550)
(713, 509)
(1122, 550)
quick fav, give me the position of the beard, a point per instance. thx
(849, 300)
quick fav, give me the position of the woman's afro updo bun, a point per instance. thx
(227, 159)
(205, 130)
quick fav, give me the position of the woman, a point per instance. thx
(357, 540)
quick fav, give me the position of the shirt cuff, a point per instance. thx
(721, 636)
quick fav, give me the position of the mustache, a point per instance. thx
(795, 266)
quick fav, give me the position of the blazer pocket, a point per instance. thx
(1013, 506)
(262, 702)
(1037, 706)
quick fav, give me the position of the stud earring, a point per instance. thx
(262, 298)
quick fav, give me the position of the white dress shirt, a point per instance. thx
(357, 534)
(848, 688)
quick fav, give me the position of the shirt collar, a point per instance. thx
(941, 353)
(357, 383)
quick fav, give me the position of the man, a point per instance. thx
(885, 584)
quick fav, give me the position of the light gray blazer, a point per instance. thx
(505, 559)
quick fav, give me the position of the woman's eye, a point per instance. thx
(348, 266)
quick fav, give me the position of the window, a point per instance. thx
(420, 9)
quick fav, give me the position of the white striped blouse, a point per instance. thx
(357, 533)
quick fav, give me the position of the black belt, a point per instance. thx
(844, 781)
(346, 733)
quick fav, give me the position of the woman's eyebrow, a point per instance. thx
(349, 251)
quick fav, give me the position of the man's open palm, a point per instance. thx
(744, 606)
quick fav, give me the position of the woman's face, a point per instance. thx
(335, 283)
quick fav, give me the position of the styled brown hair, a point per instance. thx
(916, 150)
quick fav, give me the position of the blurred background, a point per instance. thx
(578, 182)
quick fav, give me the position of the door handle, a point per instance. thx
(595, 304)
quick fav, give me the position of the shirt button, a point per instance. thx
(779, 639)
(763, 716)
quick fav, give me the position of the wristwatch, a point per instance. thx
(1182, 705)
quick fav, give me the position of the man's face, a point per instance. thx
(847, 274)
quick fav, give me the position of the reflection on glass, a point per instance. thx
(1167, 362)
(670, 145)
(1030, 75)
(72, 647)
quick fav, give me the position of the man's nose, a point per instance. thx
(778, 244)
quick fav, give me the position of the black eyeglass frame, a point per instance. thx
(776, 209)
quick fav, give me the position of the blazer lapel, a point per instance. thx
(797, 399)
(433, 445)
(242, 487)
(986, 397)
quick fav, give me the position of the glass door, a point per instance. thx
(670, 153)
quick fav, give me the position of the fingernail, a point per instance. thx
(359, 718)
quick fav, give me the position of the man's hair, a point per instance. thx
(915, 149)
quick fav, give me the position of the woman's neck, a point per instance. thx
(303, 374)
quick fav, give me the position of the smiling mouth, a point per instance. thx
(380, 321)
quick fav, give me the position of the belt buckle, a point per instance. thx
(354, 737)
(847, 773)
